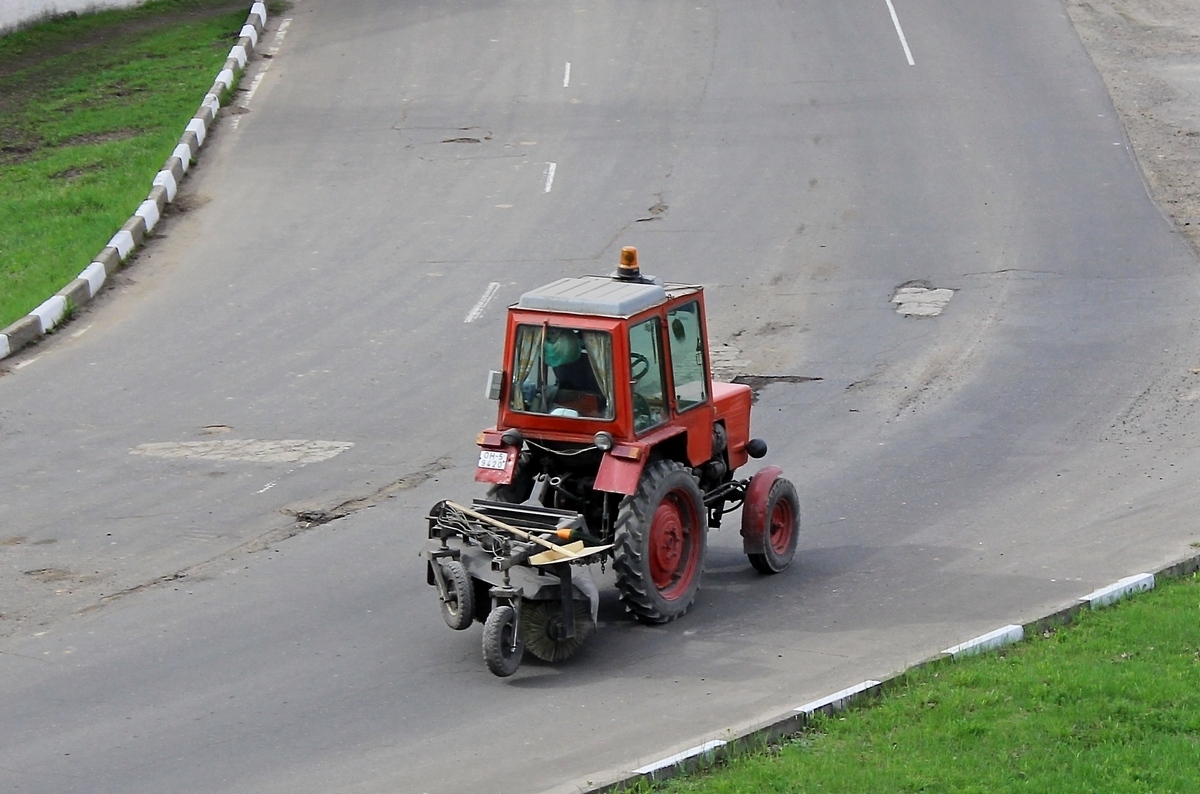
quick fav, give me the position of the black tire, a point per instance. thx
(515, 492)
(539, 619)
(458, 610)
(782, 532)
(502, 644)
(659, 543)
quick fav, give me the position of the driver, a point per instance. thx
(572, 371)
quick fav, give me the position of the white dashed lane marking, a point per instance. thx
(900, 33)
(481, 304)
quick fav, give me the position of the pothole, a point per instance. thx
(921, 299)
(317, 517)
(656, 212)
(758, 382)
(50, 574)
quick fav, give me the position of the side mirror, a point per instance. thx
(495, 380)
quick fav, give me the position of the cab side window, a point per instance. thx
(687, 355)
(646, 375)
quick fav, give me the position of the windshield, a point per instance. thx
(562, 372)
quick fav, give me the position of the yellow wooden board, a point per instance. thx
(570, 551)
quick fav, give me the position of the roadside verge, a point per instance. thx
(60, 306)
(739, 739)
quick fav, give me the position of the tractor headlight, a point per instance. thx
(603, 441)
(512, 438)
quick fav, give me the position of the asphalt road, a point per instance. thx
(170, 625)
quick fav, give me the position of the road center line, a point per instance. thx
(567, 75)
(900, 33)
(477, 310)
(550, 168)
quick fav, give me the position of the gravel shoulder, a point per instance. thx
(1148, 52)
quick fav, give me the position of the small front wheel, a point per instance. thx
(458, 605)
(502, 643)
(782, 532)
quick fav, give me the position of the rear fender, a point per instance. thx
(754, 508)
(621, 469)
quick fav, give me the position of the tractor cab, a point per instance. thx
(620, 364)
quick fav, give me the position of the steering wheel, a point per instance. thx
(639, 366)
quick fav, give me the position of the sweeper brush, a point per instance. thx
(543, 631)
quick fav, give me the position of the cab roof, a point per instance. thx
(600, 295)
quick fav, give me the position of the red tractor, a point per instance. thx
(609, 411)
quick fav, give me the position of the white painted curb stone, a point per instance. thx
(679, 758)
(838, 700)
(1005, 635)
(184, 153)
(148, 212)
(51, 312)
(123, 242)
(197, 127)
(95, 275)
(1115, 592)
(167, 180)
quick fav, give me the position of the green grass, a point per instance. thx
(90, 109)
(1109, 704)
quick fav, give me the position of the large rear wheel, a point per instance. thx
(659, 540)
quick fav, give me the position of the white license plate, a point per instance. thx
(490, 459)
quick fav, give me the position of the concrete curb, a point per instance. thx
(60, 306)
(748, 737)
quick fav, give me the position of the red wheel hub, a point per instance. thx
(780, 528)
(673, 547)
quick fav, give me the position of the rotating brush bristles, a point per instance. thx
(540, 618)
